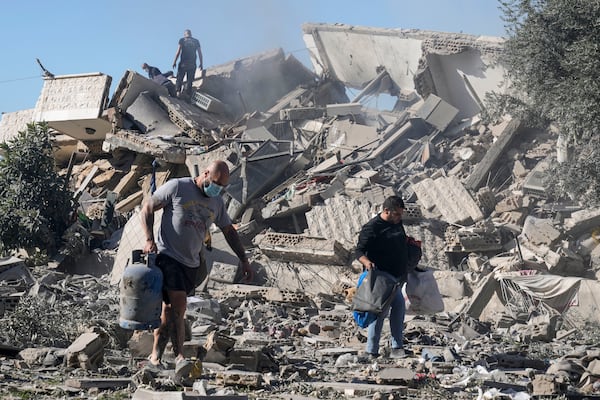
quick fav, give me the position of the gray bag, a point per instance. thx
(375, 292)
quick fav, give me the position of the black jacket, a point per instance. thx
(385, 244)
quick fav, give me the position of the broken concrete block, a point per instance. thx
(291, 114)
(34, 356)
(140, 343)
(509, 204)
(86, 352)
(343, 109)
(514, 219)
(450, 197)
(193, 349)
(248, 358)
(304, 249)
(224, 273)
(582, 221)
(519, 169)
(481, 171)
(465, 240)
(217, 345)
(565, 262)
(207, 308)
(451, 284)
(239, 378)
(540, 231)
(547, 385)
(486, 199)
(542, 328)
(356, 184)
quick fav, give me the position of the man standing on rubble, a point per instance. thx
(382, 244)
(190, 206)
(188, 47)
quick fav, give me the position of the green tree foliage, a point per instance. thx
(551, 54)
(552, 58)
(35, 202)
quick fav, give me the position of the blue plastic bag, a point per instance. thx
(362, 318)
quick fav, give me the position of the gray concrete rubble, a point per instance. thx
(516, 269)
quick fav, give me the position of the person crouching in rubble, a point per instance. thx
(160, 78)
(190, 206)
(382, 244)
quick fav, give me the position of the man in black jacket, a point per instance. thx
(160, 78)
(382, 244)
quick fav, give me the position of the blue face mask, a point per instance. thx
(212, 190)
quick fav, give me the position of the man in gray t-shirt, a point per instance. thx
(190, 206)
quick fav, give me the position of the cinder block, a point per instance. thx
(290, 114)
(248, 358)
(300, 248)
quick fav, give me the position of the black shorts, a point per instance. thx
(176, 276)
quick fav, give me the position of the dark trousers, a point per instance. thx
(188, 71)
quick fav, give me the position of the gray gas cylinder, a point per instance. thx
(141, 293)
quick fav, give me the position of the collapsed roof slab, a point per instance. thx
(74, 104)
(129, 88)
(459, 68)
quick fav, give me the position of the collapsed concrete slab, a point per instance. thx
(450, 197)
(74, 105)
(459, 68)
(129, 88)
(150, 118)
(153, 146)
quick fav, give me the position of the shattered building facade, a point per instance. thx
(309, 166)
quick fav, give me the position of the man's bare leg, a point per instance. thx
(161, 335)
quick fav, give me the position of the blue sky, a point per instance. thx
(112, 36)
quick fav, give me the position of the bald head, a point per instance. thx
(216, 172)
(219, 171)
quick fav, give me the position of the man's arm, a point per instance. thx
(365, 235)
(199, 49)
(233, 240)
(176, 56)
(147, 215)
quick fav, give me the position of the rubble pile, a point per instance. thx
(309, 166)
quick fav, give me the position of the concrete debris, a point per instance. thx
(517, 270)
